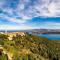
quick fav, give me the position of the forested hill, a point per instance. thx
(28, 47)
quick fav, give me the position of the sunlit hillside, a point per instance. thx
(28, 47)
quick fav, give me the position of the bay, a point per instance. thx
(50, 36)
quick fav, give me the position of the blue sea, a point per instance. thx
(50, 36)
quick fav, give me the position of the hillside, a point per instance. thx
(28, 47)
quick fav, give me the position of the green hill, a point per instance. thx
(28, 47)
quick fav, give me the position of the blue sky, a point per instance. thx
(29, 14)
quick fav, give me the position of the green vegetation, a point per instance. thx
(28, 47)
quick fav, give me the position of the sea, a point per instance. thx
(50, 36)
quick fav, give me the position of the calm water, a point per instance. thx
(51, 36)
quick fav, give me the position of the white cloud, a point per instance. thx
(46, 8)
(54, 9)
(12, 19)
(27, 9)
(50, 25)
(10, 27)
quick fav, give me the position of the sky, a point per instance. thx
(29, 14)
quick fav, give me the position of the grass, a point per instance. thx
(29, 47)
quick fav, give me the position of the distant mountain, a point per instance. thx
(45, 31)
(37, 31)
